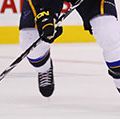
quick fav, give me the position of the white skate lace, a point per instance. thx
(45, 78)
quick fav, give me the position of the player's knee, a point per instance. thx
(27, 37)
(106, 31)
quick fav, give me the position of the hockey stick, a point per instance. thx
(36, 43)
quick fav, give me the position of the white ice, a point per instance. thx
(83, 89)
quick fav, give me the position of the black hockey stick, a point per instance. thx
(36, 43)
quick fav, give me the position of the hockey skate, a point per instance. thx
(46, 82)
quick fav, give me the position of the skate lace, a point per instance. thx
(45, 79)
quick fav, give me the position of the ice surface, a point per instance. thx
(83, 89)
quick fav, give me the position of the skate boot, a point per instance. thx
(116, 77)
(46, 82)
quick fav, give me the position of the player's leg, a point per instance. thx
(39, 58)
(106, 30)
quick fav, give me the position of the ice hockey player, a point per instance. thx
(38, 18)
(100, 18)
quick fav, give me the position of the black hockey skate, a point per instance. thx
(46, 82)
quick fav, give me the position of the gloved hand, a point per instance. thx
(49, 37)
(46, 26)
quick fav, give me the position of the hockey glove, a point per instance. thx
(46, 26)
(49, 37)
